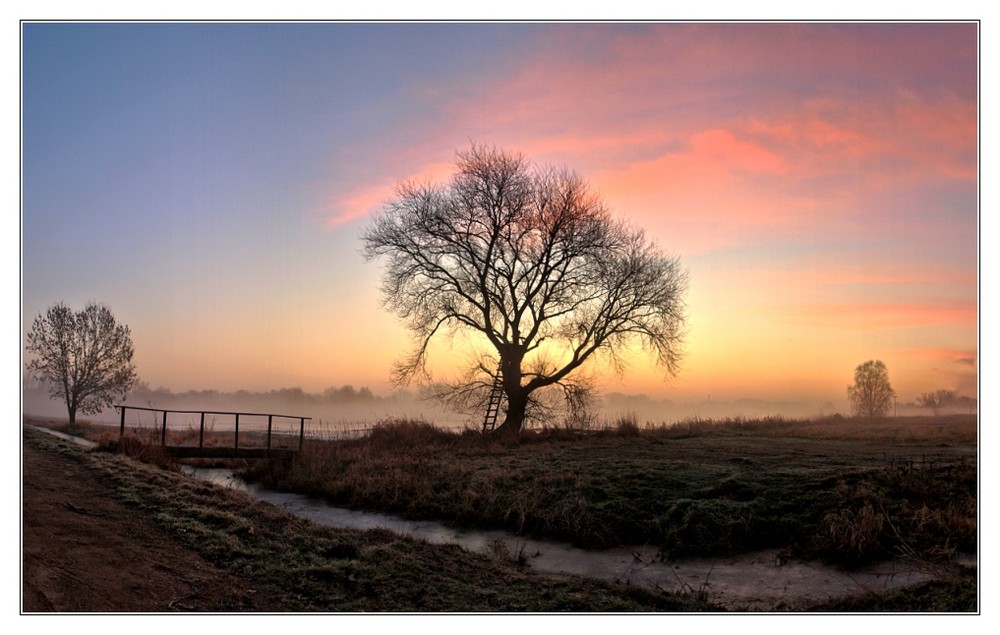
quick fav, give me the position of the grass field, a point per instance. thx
(296, 565)
(844, 491)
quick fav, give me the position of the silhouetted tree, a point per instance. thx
(935, 401)
(347, 394)
(85, 357)
(871, 395)
(533, 261)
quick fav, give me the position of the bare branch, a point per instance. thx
(524, 255)
(84, 357)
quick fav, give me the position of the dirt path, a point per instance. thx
(84, 552)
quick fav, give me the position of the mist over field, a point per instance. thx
(348, 408)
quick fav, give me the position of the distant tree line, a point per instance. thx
(332, 395)
(145, 395)
(945, 401)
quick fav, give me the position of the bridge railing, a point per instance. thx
(271, 418)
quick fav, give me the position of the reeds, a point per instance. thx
(921, 511)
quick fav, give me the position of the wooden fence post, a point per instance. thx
(163, 435)
(121, 430)
(237, 446)
(201, 432)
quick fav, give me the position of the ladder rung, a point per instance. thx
(493, 404)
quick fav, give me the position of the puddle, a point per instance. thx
(761, 581)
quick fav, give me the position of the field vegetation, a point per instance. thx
(843, 491)
(296, 565)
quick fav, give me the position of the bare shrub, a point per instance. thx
(406, 433)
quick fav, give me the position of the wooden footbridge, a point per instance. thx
(256, 444)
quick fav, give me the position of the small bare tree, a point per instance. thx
(871, 395)
(532, 261)
(85, 357)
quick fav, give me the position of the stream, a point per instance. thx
(760, 581)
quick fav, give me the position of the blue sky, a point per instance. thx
(210, 181)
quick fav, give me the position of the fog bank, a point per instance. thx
(347, 408)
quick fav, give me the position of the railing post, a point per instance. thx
(121, 430)
(163, 435)
(269, 418)
(201, 432)
(237, 446)
(302, 431)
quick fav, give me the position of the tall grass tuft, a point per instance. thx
(406, 433)
(925, 513)
(627, 425)
(142, 447)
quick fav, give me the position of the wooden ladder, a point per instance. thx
(493, 406)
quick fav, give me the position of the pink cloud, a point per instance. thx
(885, 316)
(355, 204)
(960, 357)
(831, 271)
(713, 191)
(361, 202)
(646, 116)
(813, 140)
(890, 142)
(723, 151)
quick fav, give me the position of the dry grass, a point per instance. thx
(142, 447)
(943, 429)
(846, 490)
(296, 565)
(698, 488)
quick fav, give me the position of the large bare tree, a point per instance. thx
(85, 357)
(532, 261)
(871, 395)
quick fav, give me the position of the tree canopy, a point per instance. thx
(871, 395)
(84, 357)
(532, 261)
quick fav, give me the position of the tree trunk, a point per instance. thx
(511, 356)
(72, 405)
(517, 406)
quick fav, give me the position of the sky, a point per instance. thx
(210, 181)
